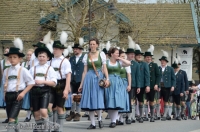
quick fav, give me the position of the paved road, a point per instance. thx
(158, 126)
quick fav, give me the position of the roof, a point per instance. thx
(20, 19)
(160, 23)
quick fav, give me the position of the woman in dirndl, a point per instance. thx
(4, 64)
(114, 94)
(125, 75)
(92, 94)
(26, 100)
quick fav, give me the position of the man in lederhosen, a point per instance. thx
(144, 81)
(167, 83)
(183, 98)
(179, 89)
(77, 70)
(135, 80)
(154, 80)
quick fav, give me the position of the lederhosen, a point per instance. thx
(184, 97)
(56, 94)
(40, 94)
(164, 92)
(13, 106)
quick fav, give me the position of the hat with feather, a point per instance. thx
(80, 44)
(46, 40)
(131, 46)
(175, 64)
(165, 56)
(138, 50)
(61, 43)
(149, 52)
(105, 50)
(46, 46)
(17, 49)
(179, 60)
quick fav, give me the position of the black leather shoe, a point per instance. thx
(112, 125)
(91, 127)
(101, 125)
(141, 120)
(132, 121)
(145, 119)
(27, 120)
(128, 121)
(168, 118)
(178, 118)
(6, 121)
(85, 115)
(152, 119)
(163, 119)
(120, 123)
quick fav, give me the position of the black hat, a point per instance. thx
(14, 50)
(130, 50)
(164, 58)
(77, 46)
(138, 52)
(148, 54)
(105, 51)
(174, 65)
(57, 44)
(45, 49)
(39, 44)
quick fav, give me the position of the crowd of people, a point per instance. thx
(122, 83)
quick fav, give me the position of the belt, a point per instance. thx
(13, 92)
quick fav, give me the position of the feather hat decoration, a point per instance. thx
(118, 48)
(165, 53)
(63, 37)
(81, 41)
(175, 60)
(131, 43)
(65, 52)
(18, 44)
(151, 49)
(50, 46)
(179, 59)
(47, 38)
(70, 50)
(108, 46)
(137, 47)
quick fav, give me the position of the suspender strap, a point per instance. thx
(45, 75)
(18, 80)
(60, 68)
(32, 63)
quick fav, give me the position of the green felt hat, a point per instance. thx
(138, 52)
(148, 54)
(14, 50)
(164, 58)
(44, 49)
(130, 50)
(174, 65)
(105, 51)
(57, 44)
(77, 46)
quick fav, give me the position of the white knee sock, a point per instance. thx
(91, 114)
(99, 113)
(121, 118)
(28, 114)
(113, 115)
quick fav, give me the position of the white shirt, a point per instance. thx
(128, 69)
(65, 67)
(2, 66)
(163, 68)
(77, 57)
(102, 56)
(25, 78)
(33, 61)
(51, 74)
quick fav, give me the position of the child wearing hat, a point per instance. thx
(17, 82)
(45, 77)
(62, 68)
